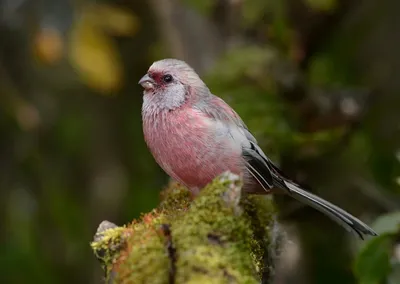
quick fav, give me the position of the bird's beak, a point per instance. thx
(147, 82)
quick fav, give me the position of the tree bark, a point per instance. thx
(221, 236)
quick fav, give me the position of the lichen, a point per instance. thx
(145, 259)
(220, 236)
(108, 242)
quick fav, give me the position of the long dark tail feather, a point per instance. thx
(269, 176)
(332, 211)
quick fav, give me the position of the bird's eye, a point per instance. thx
(167, 78)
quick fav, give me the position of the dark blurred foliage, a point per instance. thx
(317, 81)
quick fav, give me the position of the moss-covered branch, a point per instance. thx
(219, 237)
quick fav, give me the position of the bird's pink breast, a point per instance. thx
(185, 145)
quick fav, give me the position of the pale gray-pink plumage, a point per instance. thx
(195, 136)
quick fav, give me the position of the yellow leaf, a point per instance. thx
(116, 20)
(94, 56)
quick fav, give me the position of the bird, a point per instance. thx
(195, 136)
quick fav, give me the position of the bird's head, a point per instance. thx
(169, 83)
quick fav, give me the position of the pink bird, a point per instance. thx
(195, 136)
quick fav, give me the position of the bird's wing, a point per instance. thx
(217, 109)
(258, 164)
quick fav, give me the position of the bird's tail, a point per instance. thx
(337, 214)
(270, 176)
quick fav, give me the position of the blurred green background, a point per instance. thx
(317, 81)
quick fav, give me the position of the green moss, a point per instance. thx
(109, 241)
(175, 198)
(261, 213)
(213, 237)
(219, 237)
(145, 259)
